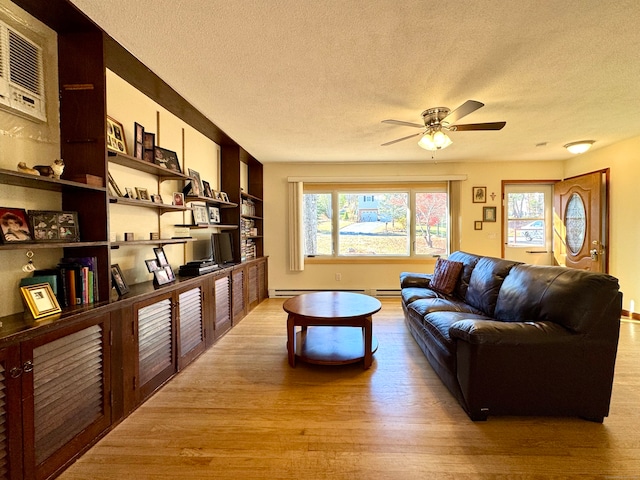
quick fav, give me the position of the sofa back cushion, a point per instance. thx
(445, 276)
(485, 282)
(581, 301)
(468, 261)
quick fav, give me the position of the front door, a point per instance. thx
(580, 226)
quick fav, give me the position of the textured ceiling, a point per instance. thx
(303, 80)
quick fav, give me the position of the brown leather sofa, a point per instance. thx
(518, 339)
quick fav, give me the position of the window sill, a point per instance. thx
(369, 260)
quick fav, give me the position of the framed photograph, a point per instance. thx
(40, 299)
(138, 138)
(152, 265)
(114, 186)
(118, 281)
(14, 225)
(206, 189)
(164, 275)
(156, 198)
(479, 194)
(129, 193)
(166, 158)
(477, 225)
(143, 193)
(178, 199)
(200, 214)
(148, 144)
(214, 215)
(54, 226)
(161, 256)
(488, 214)
(196, 183)
(224, 197)
(115, 136)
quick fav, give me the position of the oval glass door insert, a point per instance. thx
(575, 221)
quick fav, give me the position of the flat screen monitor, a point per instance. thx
(222, 248)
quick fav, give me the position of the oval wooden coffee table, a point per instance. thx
(333, 342)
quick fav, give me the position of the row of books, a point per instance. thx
(74, 280)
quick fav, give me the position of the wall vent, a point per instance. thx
(21, 75)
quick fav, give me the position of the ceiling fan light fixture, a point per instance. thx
(579, 147)
(435, 141)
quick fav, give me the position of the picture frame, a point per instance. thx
(477, 225)
(156, 198)
(206, 189)
(14, 225)
(167, 159)
(161, 256)
(114, 186)
(148, 145)
(163, 275)
(479, 194)
(178, 199)
(214, 215)
(54, 226)
(224, 197)
(118, 281)
(129, 193)
(488, 214)
(143, 194)
(116, 141)
(138, 139)
(152, 265)
(200, 214)
(40, 299)
(196, 183)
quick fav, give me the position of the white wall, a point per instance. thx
(363, 274)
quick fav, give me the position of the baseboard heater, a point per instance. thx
(284, 293)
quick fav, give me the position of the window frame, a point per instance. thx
(412, 189)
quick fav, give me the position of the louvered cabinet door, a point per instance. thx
(155, 332)
(238, 292)
(65, 395)
(10, 414)
(263, 292)
(190, 326)
(222, 301)
(252, 286)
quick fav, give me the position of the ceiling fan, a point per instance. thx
(441, 120)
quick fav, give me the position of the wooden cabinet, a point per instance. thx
(56, 390)
(222, 315)
(257, 289)
(191, 324)
(10, 413)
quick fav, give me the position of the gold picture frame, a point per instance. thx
(115, 136)
(40, 299)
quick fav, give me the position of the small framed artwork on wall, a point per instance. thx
(489, 214)
(479, 194)
(477, 225)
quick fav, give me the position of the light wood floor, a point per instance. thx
(240, 412)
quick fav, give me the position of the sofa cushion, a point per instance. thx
(485, 282)
(469, 261)
(446, 275)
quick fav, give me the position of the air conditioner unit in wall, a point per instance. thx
(21, 75)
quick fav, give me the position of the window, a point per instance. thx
(525, 219)
(382, 222)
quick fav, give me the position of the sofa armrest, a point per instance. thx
(412, 279)
(494, 332)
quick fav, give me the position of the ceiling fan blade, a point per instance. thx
(406, 124)
(463, 110)
(478, 126)
(401, 139)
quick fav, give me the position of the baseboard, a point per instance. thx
(287, 293)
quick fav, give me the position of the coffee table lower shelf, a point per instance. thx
(323, 345)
